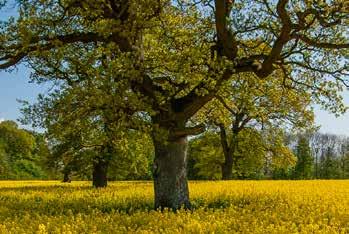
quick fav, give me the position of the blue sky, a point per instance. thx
(14, 86)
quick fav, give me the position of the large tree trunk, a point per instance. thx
(170, 173)
(99, 175)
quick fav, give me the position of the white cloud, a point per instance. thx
(1, 119)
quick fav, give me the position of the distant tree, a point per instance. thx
(286, 172)
(192, 170)
(305, 161)
(344, 158)
(3, 160)
(316, 147)
(84, 135)
(250, 156)
(250, 103)
(283, 173)
(41, 152)
(344, 166)
(329, 164)
(19, 143)
(90, 148)
(205, 153)
(19, 153)
(254, 150)
(330, 155)
(134, 159)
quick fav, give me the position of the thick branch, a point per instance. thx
(226, 41)
(18, 52)
(283, 38)
(190, 131)
(188, 105)
(318, 44)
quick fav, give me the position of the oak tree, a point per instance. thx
(174, 56)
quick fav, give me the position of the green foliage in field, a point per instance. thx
(257, 153)
(207, 154)
(305, 161)
(21, 153)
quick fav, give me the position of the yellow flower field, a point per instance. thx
(219, 207)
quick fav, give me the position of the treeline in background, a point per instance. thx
(257, 154)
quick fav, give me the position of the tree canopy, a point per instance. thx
(165, 60)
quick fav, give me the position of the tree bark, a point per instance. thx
(99, 175)
(227, 168)
(170, 173)
(66, 176)
(228, 151)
